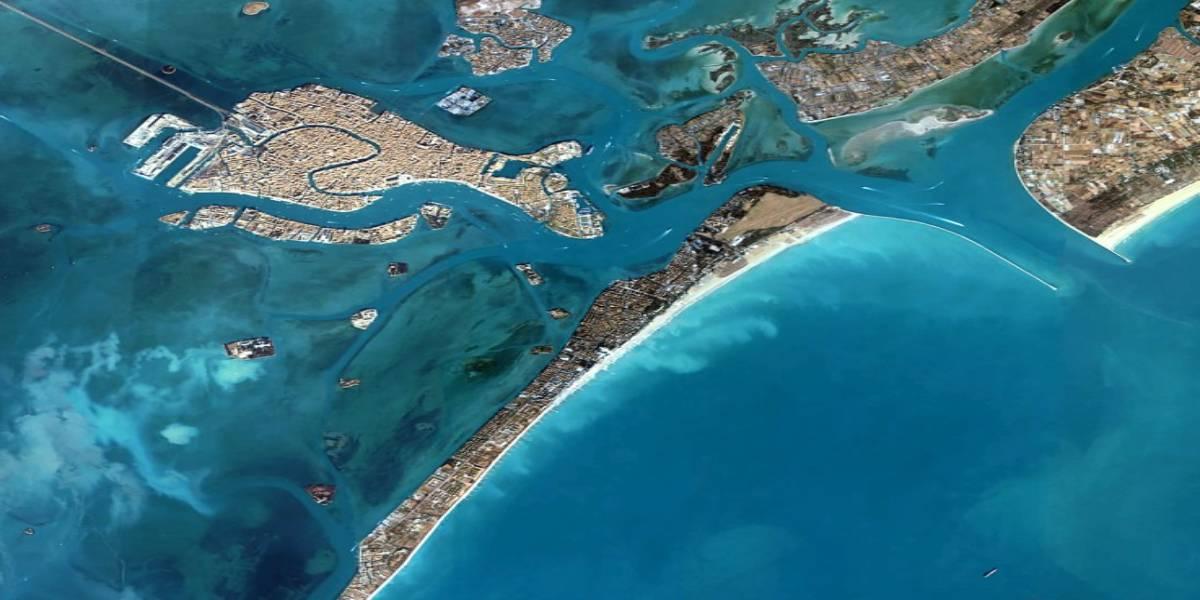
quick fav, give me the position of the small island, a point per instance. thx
(251, 9)
(690, 147)
(509, 34)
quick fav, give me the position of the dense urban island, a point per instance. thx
(334, 151)
(1101, 160)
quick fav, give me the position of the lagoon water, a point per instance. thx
(891, 407)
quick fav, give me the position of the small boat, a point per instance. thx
(991, 572)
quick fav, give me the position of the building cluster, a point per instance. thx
(803, 25)
(690, 147)
(154, 126)
(280, 168)
(1189, 19)
(326, 149)
(827, 85)
(531, 274)
(266, 225)
(174, 219)
(362, 319)
(509, 34)
(208, 217)
(278, 228)
(204, 143)
(463, 102)
(250, 348)
(1133, 137)
(619, 313)
(436, 215)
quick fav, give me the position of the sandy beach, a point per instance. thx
(1122, 230)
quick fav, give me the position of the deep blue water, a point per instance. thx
(153, 467)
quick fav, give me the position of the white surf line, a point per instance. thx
(140, 71)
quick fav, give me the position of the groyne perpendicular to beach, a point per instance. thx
(102, 52)
(754, 225)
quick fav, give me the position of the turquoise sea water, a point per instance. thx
(151, 466)
(884, 412)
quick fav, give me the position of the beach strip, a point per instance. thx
(1122, 230)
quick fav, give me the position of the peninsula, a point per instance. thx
(1111, 157)
(825, 85)
(335, 151)
(506, 35)
(754, 223)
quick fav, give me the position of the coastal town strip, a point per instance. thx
(750, 227)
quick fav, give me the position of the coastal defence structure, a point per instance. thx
(327, 149)
(1110, 157)
(734, 235)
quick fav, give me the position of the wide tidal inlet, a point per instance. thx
(413, 215)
